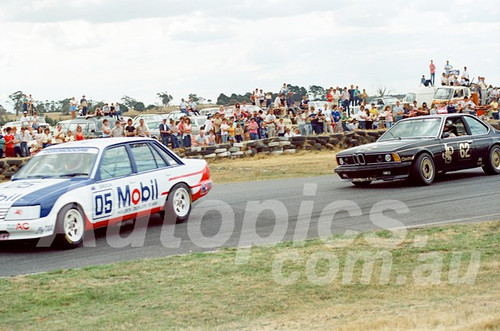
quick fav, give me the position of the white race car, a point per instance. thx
(68, 189)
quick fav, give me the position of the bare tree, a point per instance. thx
(382, 91)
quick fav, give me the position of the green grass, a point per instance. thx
(209, 290)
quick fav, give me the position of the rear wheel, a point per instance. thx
(178, 204)
(423, 172)
(492, 166)
(70, 227)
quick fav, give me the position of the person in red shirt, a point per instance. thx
(9, 143)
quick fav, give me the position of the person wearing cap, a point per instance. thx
(208, 123)
(25, 120)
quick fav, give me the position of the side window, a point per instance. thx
(143, 156)
(91, 127)
(459, 124)
(115, 163)
(475, 126)
(160, 162)
(171, 161)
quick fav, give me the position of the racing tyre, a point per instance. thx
(362, 183)
(423, 172)
(178, 205)
(492, 166)
(70, 227)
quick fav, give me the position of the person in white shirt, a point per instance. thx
(447, 68)
(58, 135)
(465, 76)
(201, 139)
(25, 120)
(271, 127)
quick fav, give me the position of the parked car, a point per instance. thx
(421, 95)
(147, 117)
(68, 189)
(209, 111)
(381, 102)
(420, 147)
(91, 126)
(450, 93)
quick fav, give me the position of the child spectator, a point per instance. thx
(232, 132)
(224, 130)
(69, 136)
(211, 138)
(239, 133)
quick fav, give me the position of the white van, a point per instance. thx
(421, 94)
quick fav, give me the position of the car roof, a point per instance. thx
(100, 143)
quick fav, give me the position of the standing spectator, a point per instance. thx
(192, 107)
(238, 132)
(329, 97)
(357, 96)
(118, 111)
(17, 142)
(112, 111)
(465, 77)
(447, 68)
(208, 124)
(270, 126)
(224, 130)
(253, 128)
(2, 145)
(186, 132)
(84, 105)
(183, 107)
(25, 139)
(483, 92)
(258, 97)
(130, 129)
(432, 69)
(30, 105)
(262, 97)
(117, 131)
(364, 96)
(280, 127)
(142, 129)
(79, 133)
(72, 107)
(345, 100)
(493, 113)
(388, 116)
(9, 143)
(174, 134)
(25, 103)
(106, 131)
(58, 135)
(336, 96)
(328, 120)
(301, 122)
(164, 132)
(217, 121)
(352, 101)
(337, 119)
(398, 111)
(269, 100)
(290, 102)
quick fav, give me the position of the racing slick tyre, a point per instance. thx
(178, 205)
(362, 183)
(492, 166)
(70, 227)
(423, 171)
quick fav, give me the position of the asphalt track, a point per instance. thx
(465, 196)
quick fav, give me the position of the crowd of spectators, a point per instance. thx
(345, 109)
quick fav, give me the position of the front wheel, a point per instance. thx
(492, 166)
(70, 227)
(178, 204)
(423, 171)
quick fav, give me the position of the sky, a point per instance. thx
(105, 49)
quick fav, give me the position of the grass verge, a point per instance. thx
(211, 291)
(261, 167)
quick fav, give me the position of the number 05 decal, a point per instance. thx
(464, 150)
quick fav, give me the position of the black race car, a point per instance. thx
(420, 147)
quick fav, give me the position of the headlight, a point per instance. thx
(341, 161)
(23, 213)
(388, 157)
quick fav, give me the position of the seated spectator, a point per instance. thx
(211, 138)
(58, 135)
(201, 139)
(493, 113)
(69, 136)
(289, 133)
(352, 124)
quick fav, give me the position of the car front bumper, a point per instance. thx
(375, 171)
(26, 229)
